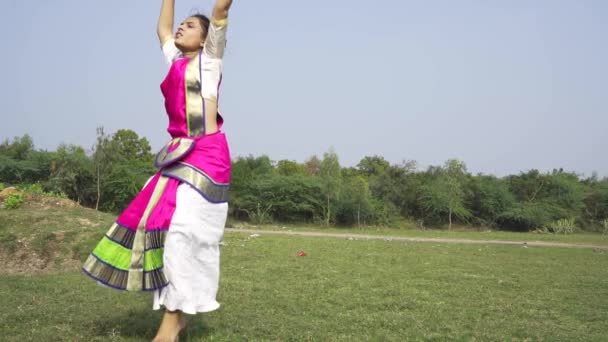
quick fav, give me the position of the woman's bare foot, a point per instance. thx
(170, 327)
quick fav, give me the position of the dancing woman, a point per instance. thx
(167, 240)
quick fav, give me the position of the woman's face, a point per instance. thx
(189, 35)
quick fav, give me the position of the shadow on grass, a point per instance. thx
(143, 324)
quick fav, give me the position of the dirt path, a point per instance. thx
(419, 239)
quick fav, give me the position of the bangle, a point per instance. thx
(220, 22)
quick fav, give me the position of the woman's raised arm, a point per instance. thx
(220, 10)
(165, 21)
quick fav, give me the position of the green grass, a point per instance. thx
(457, 233)
(75, 229)
(342, 290)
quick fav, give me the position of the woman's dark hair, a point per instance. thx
(204, 20)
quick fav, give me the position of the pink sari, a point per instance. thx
(130, 255)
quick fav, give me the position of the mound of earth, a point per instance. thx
(7, 192)
(42, 201)
(48, 234)
(39, 200)
(22, 256)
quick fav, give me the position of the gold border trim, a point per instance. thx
(194, 99)
(164, 157)
(136, 268)
(212, 191)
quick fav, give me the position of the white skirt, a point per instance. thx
(192, 254)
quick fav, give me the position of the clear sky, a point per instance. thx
(505, 86)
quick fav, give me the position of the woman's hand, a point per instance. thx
(165, 21)
(220, 10)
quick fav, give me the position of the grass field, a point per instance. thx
(342, 290)
(456, 233)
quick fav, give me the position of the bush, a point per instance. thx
(605, 224)
(38, 189)
(2, 186)
(528, 216)
(384, 213)
(35, 188)
(56, 194)
(279, 198)
(13, 201)
(261, 214)
(564, 226)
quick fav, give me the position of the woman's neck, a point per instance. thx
(190, 54)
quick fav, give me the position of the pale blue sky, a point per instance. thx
(505, 86)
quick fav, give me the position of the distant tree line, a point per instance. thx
(374, 192)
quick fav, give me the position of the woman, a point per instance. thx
(167, 240)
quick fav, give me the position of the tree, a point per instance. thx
(489, 198)
(596, 201)
(290, 168)
(312, 166)
(444, 194)
(125, 179)
(21, 163)
(454, 178)
(19, 149)
(361, 195)
(526, 186)
(566, 191)
(373, 165)
(354, 200)
(72, 173)
(245, 171)
(282, 198)
(120, 160)
(103, 159)
(329, 172)
(399, 185)
(543, 198)
(127, 145)
(375, 168)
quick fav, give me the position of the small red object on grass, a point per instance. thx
(301, 253)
